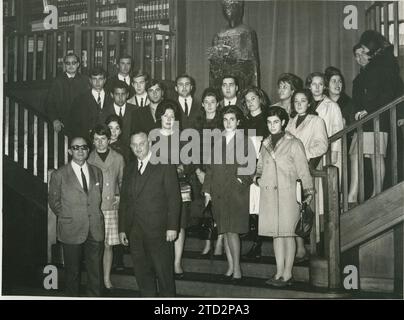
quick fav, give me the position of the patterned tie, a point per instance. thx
(99, 100)
(84, 180)
(140, 168)
(186, 107)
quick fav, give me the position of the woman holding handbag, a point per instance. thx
(282, 161)
(229, 187)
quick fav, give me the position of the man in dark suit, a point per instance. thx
(145, 118)
(140, 81)
(124, 74)
(190, 110)
(148, 217)
(88, 109)
(75, 197)
(229, 92)
(124, 110)
(64, 89)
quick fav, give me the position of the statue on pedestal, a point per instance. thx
(235, 49)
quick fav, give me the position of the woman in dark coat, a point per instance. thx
(228, 186)
(377, 84)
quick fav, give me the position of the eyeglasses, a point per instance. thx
(77, 148)
(73, 63)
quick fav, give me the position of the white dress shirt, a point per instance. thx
(102, 95)
(124, 79)
(145, 161)
(77, 171)
(117, 108)
(230, 136)
(182, 103)
(232, 102)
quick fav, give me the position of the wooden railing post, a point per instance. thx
(331, 227)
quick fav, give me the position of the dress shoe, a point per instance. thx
(179, 276)
(226, 278)
(206, 254)
(306, 257)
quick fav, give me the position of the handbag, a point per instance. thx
(186, 189)
(305, 222)
(208, 230)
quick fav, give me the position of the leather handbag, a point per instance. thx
(208, 230)
(186, 189)
(305, 222)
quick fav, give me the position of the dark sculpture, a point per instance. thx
(235, 49)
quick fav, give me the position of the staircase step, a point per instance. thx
(262, 268)
(212, 286)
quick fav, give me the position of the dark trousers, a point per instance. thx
(72, 253)
(153, 258)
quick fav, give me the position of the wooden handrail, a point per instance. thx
(41, 115)
(369, 117)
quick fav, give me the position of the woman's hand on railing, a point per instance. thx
(308, 199)
(360, 114)
(200, 175)
(57, 125)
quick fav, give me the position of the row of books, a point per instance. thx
(70, 4)
(110, 15)
(72, 19)
(107, 2)
(152, 10)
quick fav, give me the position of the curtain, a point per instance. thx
(293, 36)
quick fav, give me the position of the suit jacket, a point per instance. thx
(238, 104)
(112, 173)
(110, 84)
(144, 121)
(78, 212)
(151, 202)
(86, 114)
(194, 119)
(128, 121)
(61, 95)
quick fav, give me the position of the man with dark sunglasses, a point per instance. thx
(75, 197)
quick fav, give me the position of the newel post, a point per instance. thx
(332, 228)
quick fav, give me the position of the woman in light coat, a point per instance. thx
(282, 161)
(310, 129)
(111, 163)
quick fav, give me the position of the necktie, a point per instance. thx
(120, 112)
(99, 100)
(229, 103)
(140, 167)
(186, 107)
(141, 102)
(84, 180)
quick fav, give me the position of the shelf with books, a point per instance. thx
(152, 14)
(110, 12)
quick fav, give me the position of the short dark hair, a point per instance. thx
(113, 118)
(329, 73)
(141, 73)
(78, 137)
(71, 54)
(356, 47)
(119, 84)
(101, 130)
(310, 77)
(98, 71)
(264, 100)
(210, 92)
(154, 82)
(374, 41)
(184, 75)
(235, 110)
(280, 113)
(309, 96)
(165, 105)
(295, 82)
(231, 77)
(125, 56)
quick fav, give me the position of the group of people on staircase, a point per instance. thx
(114, 193)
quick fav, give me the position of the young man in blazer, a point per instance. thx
(75, 195)
(125, 63)
(190, 110)
(229, 91)
(88, 109)
(123, 109)
(140, 81)
(148, 218)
